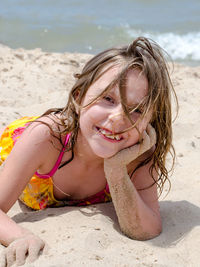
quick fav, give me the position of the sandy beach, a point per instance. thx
(31, 81)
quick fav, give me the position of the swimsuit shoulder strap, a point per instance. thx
(55, 167)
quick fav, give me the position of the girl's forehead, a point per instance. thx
(108, 76)
(136, 85)
(99, 86)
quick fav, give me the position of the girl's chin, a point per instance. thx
(108, 153)
(105, 154)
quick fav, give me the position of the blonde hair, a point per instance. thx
(146, 55)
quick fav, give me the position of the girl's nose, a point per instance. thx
(118, 118)
(116, 112)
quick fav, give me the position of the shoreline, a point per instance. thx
(31, 81)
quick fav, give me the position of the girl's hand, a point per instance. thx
(125, 156)
(27, 246)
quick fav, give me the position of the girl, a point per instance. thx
(110, 141)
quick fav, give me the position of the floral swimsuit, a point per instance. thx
(38, 193)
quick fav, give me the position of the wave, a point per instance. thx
(179, 47)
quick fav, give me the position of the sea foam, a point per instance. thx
(179, 47)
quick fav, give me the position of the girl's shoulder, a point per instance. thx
(23, 135)
(31, 124)
(29, 134)
(46, 127)
(45, 131)
(39, 143)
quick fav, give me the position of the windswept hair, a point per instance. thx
(145, 55)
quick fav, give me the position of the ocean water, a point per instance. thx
(90, 26)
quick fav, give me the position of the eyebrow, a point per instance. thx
(140, 104)
(112, 91)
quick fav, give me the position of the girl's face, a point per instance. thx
(101, 122)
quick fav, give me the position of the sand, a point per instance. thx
(32, 81)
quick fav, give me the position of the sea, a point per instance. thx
(89, 26)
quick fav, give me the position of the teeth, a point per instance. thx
(117, 137)
(104, 132)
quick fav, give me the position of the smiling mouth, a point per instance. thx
(109, 135)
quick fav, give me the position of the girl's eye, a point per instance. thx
(138, 111)
(108, 98)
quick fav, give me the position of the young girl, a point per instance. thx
(109, 142)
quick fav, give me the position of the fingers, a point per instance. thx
(21, 252)
(28, 247)
(148, 140)
(128, 154)
(10, 255)
(125, 156)
(152, 134)
(16, 253)
(34, 249)
(3, 259)
(145, 143)
(46, 249)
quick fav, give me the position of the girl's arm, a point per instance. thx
(137, 211)
(27, 156)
